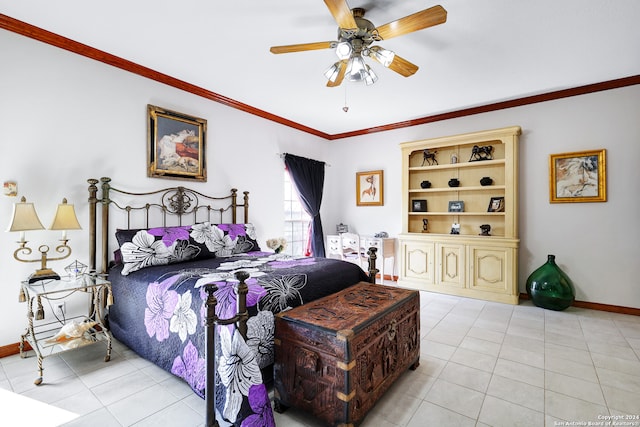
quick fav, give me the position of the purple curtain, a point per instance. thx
(307, 176)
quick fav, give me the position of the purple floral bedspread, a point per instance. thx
(159, 313)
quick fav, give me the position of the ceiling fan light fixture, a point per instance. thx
(332, 72)
(343, 50)
(370, 77)
(383, 56)
(355, 69)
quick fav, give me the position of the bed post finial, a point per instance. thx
(243, 314)
(105, 224)
(93, 200)
(246, 207)
(373, 271)
(234, 205)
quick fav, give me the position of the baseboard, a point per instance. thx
(11, 349)
(597, 306)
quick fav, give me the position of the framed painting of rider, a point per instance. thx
(369, 188)
(176, 145)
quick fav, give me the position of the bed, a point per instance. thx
(195, 294)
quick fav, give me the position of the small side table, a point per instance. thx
(38, 335)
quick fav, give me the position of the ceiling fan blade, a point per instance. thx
(399, 65)
(341, 73)
(403, 67)
(302, 47)
(341, 13)
(418, 21)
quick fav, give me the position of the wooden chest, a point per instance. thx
(336, 356)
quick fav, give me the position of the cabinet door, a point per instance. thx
(451, 265)
(418, 261)
(491, 269)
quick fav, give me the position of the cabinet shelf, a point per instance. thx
(456, 189)
(457, 213)
(456, 166)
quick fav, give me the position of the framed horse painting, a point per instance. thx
(369, 188)
(176, 145)
(578, 177)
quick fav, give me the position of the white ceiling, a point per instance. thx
(487, 51)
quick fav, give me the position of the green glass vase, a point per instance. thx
(549, 287)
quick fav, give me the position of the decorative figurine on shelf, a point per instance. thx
(425, 225)
(481, 153)
(425, 184)
(454, 158)
(429, 157)
(453, 182)
(382, 235)
(486, 181)
(485, 230)
(455, 228)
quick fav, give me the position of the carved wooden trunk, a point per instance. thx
(336, 356)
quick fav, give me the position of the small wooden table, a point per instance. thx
(336, 356)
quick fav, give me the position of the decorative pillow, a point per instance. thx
(142, 248)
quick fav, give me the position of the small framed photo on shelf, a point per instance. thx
(456, 206)
(496, 204)
(419, 206)
(342, 228)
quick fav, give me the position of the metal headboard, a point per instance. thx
(160, 208)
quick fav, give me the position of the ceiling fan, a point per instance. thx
(355, 37)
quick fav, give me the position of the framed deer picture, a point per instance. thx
(369, 188)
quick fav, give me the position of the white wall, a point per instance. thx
(596, 244)
(65, 118)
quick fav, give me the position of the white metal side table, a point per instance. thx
(39, 333)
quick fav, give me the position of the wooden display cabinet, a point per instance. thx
(471, 263)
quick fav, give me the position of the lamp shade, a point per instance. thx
(24, 217)
(65, 218)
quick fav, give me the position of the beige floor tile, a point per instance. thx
(517, 392)
(519, 372)
(456, 398)
(480, 345)
(571, 368)
(431, 414)
(466, 376)
(571, 409)
(500, 413)
(574, 387)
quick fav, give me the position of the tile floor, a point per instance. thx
(482, 364)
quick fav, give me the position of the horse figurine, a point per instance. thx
(429, 157)
(481, 153)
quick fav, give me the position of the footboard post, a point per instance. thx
(243, 314)
(373, 271)
(210, 356)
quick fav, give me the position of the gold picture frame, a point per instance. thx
(176, 145)
(370, 188)
(578, 177)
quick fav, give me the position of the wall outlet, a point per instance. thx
(61, 308)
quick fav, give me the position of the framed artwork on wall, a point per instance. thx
(176, 145)
(370, 188)
(578, 177)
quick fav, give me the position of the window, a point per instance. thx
(296, 220)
